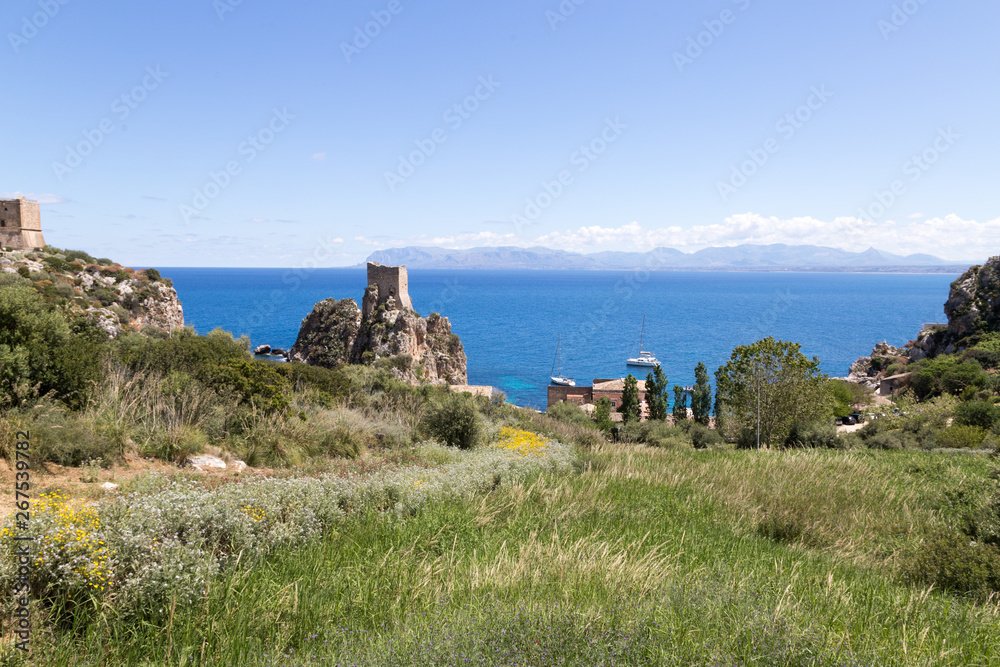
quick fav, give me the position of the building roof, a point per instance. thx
(616, 385)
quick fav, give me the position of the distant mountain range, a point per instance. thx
(778, 257)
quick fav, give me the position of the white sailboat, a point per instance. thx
(645, 358)
(559, 378)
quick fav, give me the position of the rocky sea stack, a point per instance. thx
(384, 331)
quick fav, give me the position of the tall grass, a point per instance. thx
(646, 557)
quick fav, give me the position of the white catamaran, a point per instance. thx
(558, 377)
(645, 358)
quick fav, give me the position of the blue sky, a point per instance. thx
(248, 133)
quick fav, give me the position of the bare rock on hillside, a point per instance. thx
(870, 370)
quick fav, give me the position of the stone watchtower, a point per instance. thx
(391, 281)
(20, 224)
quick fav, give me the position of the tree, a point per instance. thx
(701, 398)
(680, 404)
(719, 408)
(656, 394)
(630, 400)
(769, 386)
(602, 415)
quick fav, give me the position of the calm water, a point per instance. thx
(509, 321)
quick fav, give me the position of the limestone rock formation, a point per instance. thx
(327, 335)
(382, 331)
(115, 297)
(869, 371)
(973, 307)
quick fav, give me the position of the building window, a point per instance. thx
(614, 404)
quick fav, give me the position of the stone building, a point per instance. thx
(20, 224)
(611, 389)
(391, 281)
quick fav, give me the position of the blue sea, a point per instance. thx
(510, 321)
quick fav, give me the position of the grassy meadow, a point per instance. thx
(636, 556)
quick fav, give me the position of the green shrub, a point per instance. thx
(253, 383)
(24, 271)
(961, 437)
(103, 294)
(977, 413)
(889, 440)
(176, 444)
(454, 421)
(60, 265)
(820, 434)
(849, 441)
(946, 374)
(67, 439)
(32, 334)
(79, 255)
(570, 413)
(703, 437)
(955, 563)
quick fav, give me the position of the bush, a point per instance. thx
(821, 434)
(946, 374)
(75, 255)
(570, 413)
(454, 421)
(703, 437)
(66, 439)
(977, 413)
(889, 440)
(103, 294)
(961, 437)
(955, 563)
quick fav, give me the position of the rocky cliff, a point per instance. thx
(415, 348)
(115, 297)
(972, 309)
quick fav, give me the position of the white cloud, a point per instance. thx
(40, 198)
(319, 157)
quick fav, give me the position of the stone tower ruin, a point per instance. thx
(20, 224)
(391, 281)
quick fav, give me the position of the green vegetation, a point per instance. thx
(454, 421)
(701, 398)
(645, 557)
(774, 380)
(411, 525)
(656, 394)
(680, 411)
(629, 408)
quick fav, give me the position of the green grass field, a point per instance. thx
(641, 557)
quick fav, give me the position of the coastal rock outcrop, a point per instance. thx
(114, 297)
(383, 331)
(973, 308)
(871, 370)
